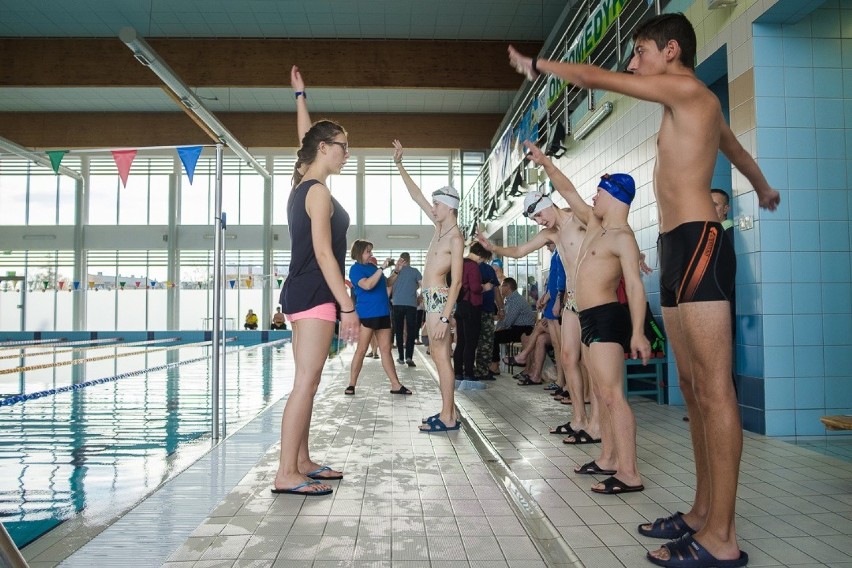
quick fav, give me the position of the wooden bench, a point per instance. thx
(839, 422)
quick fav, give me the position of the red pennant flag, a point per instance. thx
(123, 161)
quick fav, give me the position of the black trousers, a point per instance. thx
(509, 335)
(468, 326)
(405, 318)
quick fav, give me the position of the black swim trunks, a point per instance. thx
(607, 323)
(697, 264)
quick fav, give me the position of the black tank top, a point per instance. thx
(305, 286)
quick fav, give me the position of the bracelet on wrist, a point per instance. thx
(396, 271)
(303, 93)
(535, 66)
(347, 311)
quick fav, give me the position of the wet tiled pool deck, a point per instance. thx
(499, 493)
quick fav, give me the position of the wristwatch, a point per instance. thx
(445, 319)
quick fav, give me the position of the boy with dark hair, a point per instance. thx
(696, 269)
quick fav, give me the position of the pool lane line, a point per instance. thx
(9, 401)
(29, 342)
(118, 343)
(100, 358)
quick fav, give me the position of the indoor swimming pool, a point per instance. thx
(94, 438)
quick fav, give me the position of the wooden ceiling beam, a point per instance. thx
(69, 130)
(329, 63)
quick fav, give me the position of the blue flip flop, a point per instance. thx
(316, 474)
(686, 552)
(297, 490)
(437, 425)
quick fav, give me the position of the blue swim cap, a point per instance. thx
(620, 186)
(497, 262)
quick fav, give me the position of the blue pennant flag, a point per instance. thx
(189, 157)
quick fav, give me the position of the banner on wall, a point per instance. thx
(586, 41)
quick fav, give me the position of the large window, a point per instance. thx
(127, 289)
(387, 199)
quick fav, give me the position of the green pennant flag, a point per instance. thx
(56, 158)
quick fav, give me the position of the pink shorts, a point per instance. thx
(326, 312)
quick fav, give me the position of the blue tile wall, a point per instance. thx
(795, 272)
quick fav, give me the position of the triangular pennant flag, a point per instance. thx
(232, 282)
(62, 284)
(189, 157)
(123, 161)
(76, 284)
(249, 282)
(122, 284)
(138, 283)
(153, 284)
(45, 283)
(56, 158)
(280, 280)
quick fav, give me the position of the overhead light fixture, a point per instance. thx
(148, 57)
(597, 117)
(18, 150)
(402, 236)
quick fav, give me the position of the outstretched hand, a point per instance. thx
(296, 80)
(535, 154)
(484, 242)
(397, 151)
(522, 64)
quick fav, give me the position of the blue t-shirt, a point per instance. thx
(488, 275)
(371, 303)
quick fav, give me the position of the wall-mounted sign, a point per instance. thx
(590, 36)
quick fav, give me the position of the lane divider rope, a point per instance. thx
(9, 401)
(82, 347)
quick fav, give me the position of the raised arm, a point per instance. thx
(561, 183)
(667, 89)
(413, 189)
(767, 197)
(539, 240)
(303, 118)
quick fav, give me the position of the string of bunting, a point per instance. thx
(124, 159)
(142, 284)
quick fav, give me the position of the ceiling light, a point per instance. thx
(402, 236)
(597, 117)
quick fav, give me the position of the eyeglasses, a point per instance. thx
(344, 145)
(528, 213)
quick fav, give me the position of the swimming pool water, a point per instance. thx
(98, 450)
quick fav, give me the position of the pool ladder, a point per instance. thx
(10, 556)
